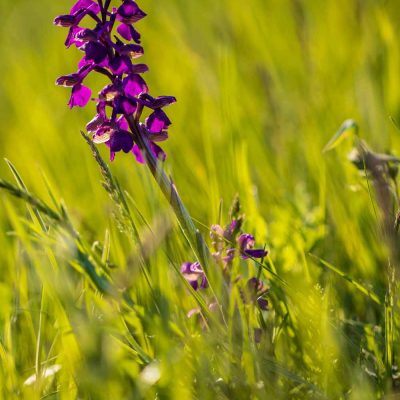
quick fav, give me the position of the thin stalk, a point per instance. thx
(107, 5)
(191, 233)
(377, 165)
(168, 188)
(38, 369)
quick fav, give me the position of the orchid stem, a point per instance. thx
(192, 234)
(168, 188)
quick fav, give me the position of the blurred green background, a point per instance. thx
(261, 86)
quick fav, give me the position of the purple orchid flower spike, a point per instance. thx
(125, 98)
(107, 37)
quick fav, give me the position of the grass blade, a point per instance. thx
(348, 278)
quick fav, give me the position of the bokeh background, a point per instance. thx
(262, 86)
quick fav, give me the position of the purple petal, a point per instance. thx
(194, 284)
(84, 62)
(73, 79)
(109, 92)
(104, 133)
(204, 282)
(246, 241)
(84, 5)
(163, 101)
(68, 80)
(139, 68)
(130, 50)
(186, 268)
(262, 303)
(122, 124)
(234, 227)
(80, 96)
(157, 121)
(96, 52)
(192, 273)
(230, 255)
(256, 253)
(255, 285)
(121, 65)
(95, 123)
(101, 109)
(158, 152)
(128, 32)
(155, 103)
(138, 155)
(72, 39)
(121, 140)
(123, 105)
(86, 35)
(65, 20)
(134, 85)
(158, 137)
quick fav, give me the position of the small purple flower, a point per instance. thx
(262, 303)
(256, 290)
(246, 243)
(126, 94)
(225, 254)
(80, 94)
(194, 275)
(255, 285)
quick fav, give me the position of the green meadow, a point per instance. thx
(92, 301)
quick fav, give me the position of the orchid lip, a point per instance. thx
(105, 137)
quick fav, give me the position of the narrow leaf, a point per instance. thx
(348, 278)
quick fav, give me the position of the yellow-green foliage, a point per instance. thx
(262, 85)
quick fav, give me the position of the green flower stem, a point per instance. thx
(168, 188)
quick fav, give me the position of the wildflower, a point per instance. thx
(222, 241)
(125, 98)
(194, 275)
(246, 244)
(257, 289)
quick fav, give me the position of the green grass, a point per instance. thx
(262, 86)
